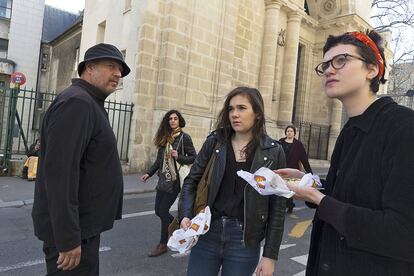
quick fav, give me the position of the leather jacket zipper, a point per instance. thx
(244, 215)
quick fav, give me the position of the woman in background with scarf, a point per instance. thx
(174, 146)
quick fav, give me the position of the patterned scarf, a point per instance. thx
(168, 168)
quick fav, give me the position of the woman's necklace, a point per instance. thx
(239, 151)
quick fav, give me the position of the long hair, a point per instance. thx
(164, 130)
(224, 131)
(365, 51)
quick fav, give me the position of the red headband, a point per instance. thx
(371, 44)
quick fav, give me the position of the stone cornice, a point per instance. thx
(348, 22)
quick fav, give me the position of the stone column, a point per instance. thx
(289, 69)
(336, 120)
(267, 67)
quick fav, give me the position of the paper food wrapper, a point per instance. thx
(266, 182)
(183, 240)
(308, 180)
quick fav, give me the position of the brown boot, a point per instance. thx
(158, 250)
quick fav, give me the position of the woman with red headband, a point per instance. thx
(364, 222)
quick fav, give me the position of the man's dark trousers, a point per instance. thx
(88, 266)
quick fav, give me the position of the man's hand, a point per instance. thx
(70, 259)
(266, 267)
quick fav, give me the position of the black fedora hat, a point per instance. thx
(104, 51)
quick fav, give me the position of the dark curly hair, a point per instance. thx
(164, 130)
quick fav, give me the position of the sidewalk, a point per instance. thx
(16, 192)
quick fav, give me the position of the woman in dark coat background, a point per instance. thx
(295, 157)
(171, 142)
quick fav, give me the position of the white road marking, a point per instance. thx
(178, 255)
(37, 262)
(21, 265)
(284, 246)
(300, 208)
(104, 248)
(301, 259)
(139, 214)
(146, 213)
(302, 273)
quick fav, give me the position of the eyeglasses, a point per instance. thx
(337, 62)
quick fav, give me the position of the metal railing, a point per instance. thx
(22, 111)
(315, 139)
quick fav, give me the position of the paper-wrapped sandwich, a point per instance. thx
(266, 182)
(183, 240)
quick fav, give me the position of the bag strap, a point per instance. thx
(208, 170)
(182, 150)
(181, 142)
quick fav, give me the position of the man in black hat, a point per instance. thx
(79, 187)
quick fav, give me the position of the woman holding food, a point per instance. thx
(241, 217)
(364, 222)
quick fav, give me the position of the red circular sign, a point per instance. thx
(18, 78)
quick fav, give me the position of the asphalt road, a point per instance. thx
(124, 249)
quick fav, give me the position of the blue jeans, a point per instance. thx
(222, 246)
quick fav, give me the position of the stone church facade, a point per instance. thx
(188, 54)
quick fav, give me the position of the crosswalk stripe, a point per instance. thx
(299, 229)
(37, 262)
(301, 259)
(284, 246)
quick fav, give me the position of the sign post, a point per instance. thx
(17, 79)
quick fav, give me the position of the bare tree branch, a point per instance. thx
(397, 16)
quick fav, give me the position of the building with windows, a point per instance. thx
(24, 26)
(188, 54)
(59, 53)
(20, 35)
(27, 30)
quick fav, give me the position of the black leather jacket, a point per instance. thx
(264, 216)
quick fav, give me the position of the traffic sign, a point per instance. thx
(18, 78)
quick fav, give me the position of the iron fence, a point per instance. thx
(315, 139)
(22, 111)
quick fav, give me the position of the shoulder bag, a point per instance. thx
(201, 198)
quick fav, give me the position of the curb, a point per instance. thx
(26, 202)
